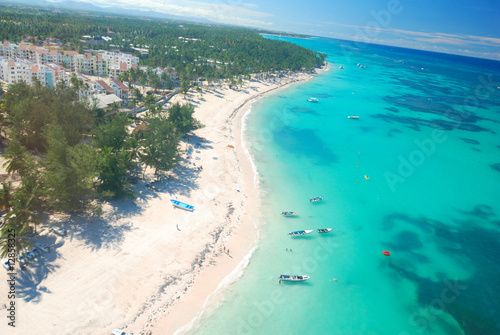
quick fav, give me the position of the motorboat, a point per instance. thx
(300, 232)
(293, 278)
(324, 230)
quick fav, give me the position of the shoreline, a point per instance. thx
(250, 174)
(144, 266)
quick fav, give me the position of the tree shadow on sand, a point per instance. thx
(183, 181)
(31, 275)
(97, 233)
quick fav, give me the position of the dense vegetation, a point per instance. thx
(193, 50)
(68, 155)
(67, 152)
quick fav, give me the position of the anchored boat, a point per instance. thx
(316, 199)
(299, 232)
(289, 213)
(293, 278)
(324, 230)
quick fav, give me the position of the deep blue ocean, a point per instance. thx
(418, 175)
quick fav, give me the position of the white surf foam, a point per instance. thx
(211, 300)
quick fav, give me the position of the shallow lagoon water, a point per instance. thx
(416, 175)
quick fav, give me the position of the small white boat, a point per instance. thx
(42, 247)
(289, 213)
(353, 117)
(119, 332)
(6, 264)
(313, 100)
(341, 67)
(300, 232)
(58, 230)
(316, 199)
(293, 278)
(324, 230)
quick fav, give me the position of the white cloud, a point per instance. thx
(222, 13)
(434, 41)
(249, 5)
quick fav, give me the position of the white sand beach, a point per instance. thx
(144, 266)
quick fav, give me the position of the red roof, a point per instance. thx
(34, 69)
(42, 51)
(105, 86)
(88, 55)
(50, 67)
(122, 86)
(99, 57)
(62, 67)
(84, 78)
(12, 63)
(6, 43)
(22, 46)
(123, 66)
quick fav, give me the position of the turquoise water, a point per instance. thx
(418, 175)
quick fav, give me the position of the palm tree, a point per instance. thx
(184, 86)
(123, 76)
(136, 93)
(132, 145)
(17, 158)
(20, 217)
(115, 106)
(74, 81)
(10, 236)
(200, 91)
(149, 100)
(6, 196)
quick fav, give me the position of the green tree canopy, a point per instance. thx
(113, 133)
(160, 146)
(182, 118)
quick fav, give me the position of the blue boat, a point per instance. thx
(182, 205)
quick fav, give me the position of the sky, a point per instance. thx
(464, 27)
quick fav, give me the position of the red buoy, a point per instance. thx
(387, 253)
